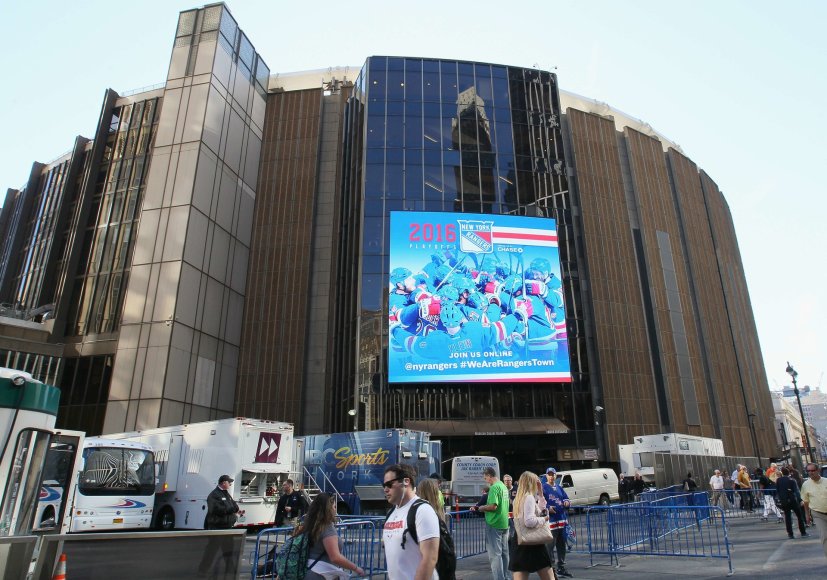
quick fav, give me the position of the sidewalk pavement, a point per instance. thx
(759, 550)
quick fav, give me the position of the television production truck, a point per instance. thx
(352, 465)
(639, 456)
(257, 454)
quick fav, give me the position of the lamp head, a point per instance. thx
(791, 371)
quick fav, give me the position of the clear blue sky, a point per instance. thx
(738, 84)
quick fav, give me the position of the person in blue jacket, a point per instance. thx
(557, 502)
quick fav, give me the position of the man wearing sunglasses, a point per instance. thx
(814, 495)
(407, 559)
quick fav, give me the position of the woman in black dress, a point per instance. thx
(527, 559)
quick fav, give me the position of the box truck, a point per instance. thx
(465, 487)
(257, 454)
(639, 455)
(352, 464)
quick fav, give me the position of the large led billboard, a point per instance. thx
(475, 298)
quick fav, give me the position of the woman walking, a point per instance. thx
(528, 505)
(325, 554)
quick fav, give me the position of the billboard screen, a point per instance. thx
(475, 298)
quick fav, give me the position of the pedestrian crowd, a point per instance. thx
(526, 523)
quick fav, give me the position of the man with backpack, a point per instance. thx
(409, 557)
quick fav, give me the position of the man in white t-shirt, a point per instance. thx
(716, 482)
(406, 559)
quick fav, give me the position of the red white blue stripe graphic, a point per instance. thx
(525, 236)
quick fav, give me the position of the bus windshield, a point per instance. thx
(115, 471)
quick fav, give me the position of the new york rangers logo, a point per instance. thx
(268, 448)
(475, 237)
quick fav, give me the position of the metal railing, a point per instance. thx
(361, 545)
(646, 529)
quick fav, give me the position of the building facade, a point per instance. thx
(220, 246)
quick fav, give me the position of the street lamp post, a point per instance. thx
(805, 440)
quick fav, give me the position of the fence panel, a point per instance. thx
(654, 529)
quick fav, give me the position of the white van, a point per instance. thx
(589, 486)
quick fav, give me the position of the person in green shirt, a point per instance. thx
(496, 519)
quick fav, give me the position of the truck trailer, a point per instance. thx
(257, 454)
(639, 455)
(352, 464)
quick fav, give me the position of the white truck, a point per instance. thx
(638, 456)
(257, 454)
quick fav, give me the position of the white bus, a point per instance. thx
(114, 490)
(466, 478)
(28, 409)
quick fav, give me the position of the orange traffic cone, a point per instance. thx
(60, 573)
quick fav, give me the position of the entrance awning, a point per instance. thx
(470, 427)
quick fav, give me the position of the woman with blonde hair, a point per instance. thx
(428, 489)
(526, 559)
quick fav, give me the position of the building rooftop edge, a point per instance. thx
(315, 78)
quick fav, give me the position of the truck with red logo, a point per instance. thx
(257, 454)
(352, 464)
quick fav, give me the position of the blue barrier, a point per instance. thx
(693, 531)
(361, 545)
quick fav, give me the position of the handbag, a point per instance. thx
(532, 536)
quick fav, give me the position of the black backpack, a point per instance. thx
(446, 563)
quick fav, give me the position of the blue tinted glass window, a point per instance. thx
(413, 182)
(413, 157)
(504, 140)
(413, 110)
(375, 156)
(374, 179)
(499, 72)
(396, 85)
(466, 82)
(395, 107)
(376, 132)
(431, 132)
(449, 81)
(396, 64)
(430, 87)
(394, 181)
(450, 181)
(395, 156)
(433, 178)
(372, 228)
(430, 66)
(450, 133)
(500, 92)
(413, 133)
(377, 63)
(432, 157)
(413, 83)
(395, 131)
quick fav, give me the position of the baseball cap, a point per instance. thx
(224, 478)
(551, 471)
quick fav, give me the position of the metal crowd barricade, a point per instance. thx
(693, 531)
(468, 531)
(361, 545)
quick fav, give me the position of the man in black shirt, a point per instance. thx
(291, 504)
(222, 513)
(790, 498)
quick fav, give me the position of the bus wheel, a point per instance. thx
(604, 500)
(166, 519)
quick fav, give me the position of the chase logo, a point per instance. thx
(476, 237)
(268, 448)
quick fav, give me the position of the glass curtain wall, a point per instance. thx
(98, 291)
(438, 135)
